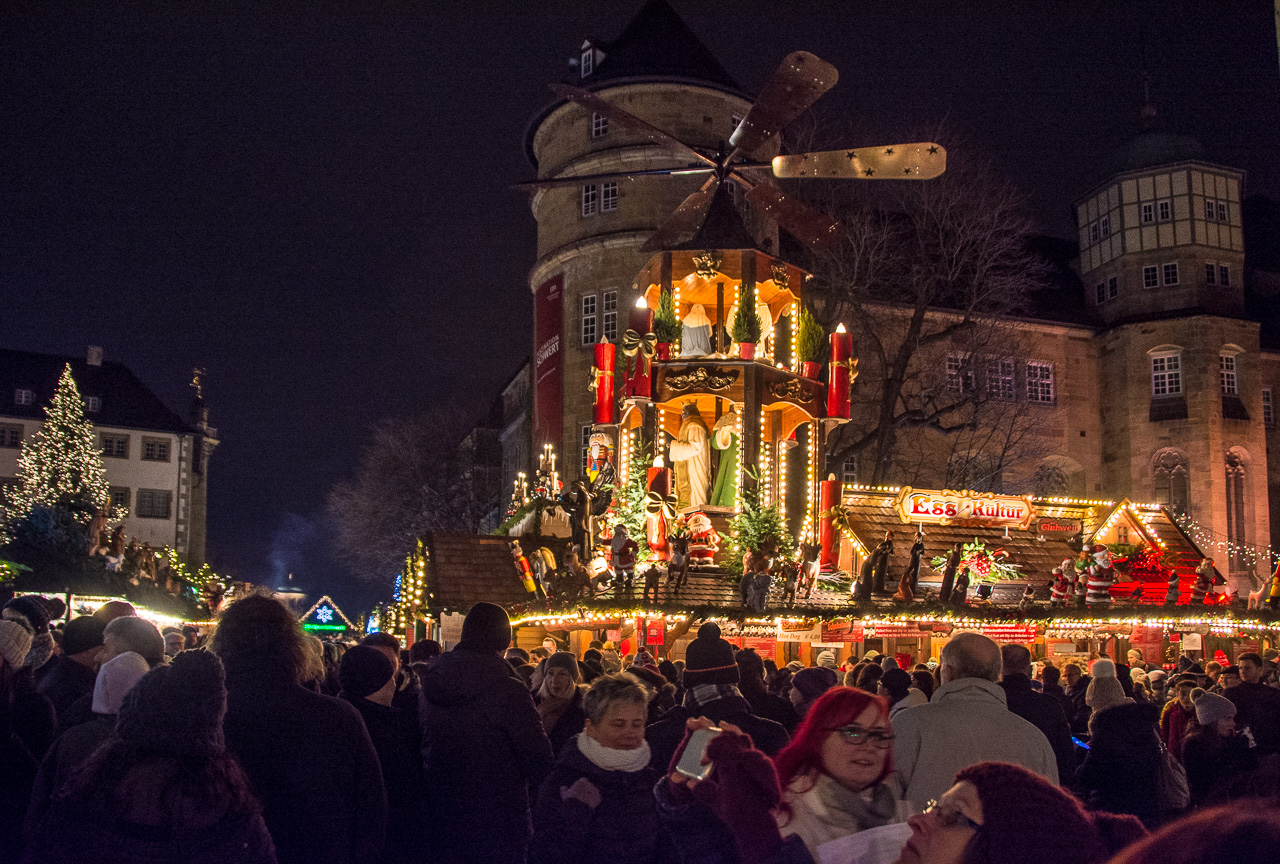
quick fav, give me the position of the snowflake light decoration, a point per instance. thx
(324, 614)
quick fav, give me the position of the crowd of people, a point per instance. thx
(260, 743)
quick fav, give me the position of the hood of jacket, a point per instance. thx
(462, 676)
(1130, 723)
(971, 690)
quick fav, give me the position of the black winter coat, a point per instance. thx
(664, 737)
(71, 750)
(1079, 717)
(1122, 768)
(17, 774)
(1258, 708)
(570, 722)
(1063, 700)
(402, 778)
(65, 682)
(781, 711)
(482, 749)
(1218, 769)
(310, 761)
(624, 827)
(1045, 713)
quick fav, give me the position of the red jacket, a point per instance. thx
(1173, 726)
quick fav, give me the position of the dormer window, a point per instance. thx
(93, 404)
(599, 125)
(23, 397)
(587, 65)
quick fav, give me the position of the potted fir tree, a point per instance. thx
(665, 325)
(746, 326)
(811, 344)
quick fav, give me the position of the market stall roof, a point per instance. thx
(462, 569)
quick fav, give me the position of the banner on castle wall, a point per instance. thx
(548, 362)
(966, 507)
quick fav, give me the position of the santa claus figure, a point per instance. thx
(704, 542)
(1059, 589)
(1100, 577)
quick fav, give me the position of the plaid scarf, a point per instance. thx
(697, 697)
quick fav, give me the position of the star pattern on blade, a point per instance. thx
(933, 149)
(869, 171)
(324, 614)
(906, 170)
(888, 151)
(851, 155)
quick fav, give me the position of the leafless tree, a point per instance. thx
(930, 278)
(410, 481)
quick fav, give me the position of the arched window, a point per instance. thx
(1050, 481)
(1235, 509)
(1172, 487)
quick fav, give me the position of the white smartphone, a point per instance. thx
(691, 764)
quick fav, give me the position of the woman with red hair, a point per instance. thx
(833, 772)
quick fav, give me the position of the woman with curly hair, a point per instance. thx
(162, 787)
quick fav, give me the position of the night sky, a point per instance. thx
(313, 205)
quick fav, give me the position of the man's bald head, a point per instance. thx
(970, 655)
(1016, 660)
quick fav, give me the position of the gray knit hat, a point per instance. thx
(564, 660)
(115, 679)
(177, 710)
(1210, 708)
(15, 641)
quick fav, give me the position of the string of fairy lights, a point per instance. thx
(1260, 557)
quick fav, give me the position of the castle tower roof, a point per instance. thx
(658, 45)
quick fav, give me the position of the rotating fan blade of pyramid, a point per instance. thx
(626, 120)
(684, 222)
(921, 161)
(579, 179)
(795, 85)
(807, 224)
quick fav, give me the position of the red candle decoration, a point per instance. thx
(828, 537)
(838, 379)
(641, 319)
(657, 508)
(639, 345)
(602, 381)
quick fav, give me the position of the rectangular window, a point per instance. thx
(154, 503)
(1268, 407)
(588, 64)
(93, 404)
(589, 200)
(1222, 211)
(1211, 274)
(1101, 291)
(1210, 212)
(155, 450)
(1148, 212)
(23, 397)
(1093, 232)
(959, 374)
(1113, 288)
(1166, 375)
(10, 435)
(608, 197)
(1000, 379)
(1171, 274)
(1151, 276)
(1224, 275)
(610, 304)
(1040, 382)
(1166, 211)
(586, 447)
(1227, 374)
(599, 125)
(119, 497)
(850, 472)
(590, 333)
(1104, 225)
(115, 446)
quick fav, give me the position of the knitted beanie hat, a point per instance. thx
(364, 670)
(1103, 668)
(888, 662)
(486, 628)
(709, 659)
(15, 641)
(31, 611)
(1009, 793)
(82, 634)
(1210, 708)
(668, 670)
(177, 710)
(1103, 693)
(813, 682)
(827, 658)
(115, 679)
(564, 660)
(897, 682)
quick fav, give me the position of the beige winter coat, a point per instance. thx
(968, 721)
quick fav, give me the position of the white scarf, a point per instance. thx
(613, 760)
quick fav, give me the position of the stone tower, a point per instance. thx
(589, 234)
(1180, 368)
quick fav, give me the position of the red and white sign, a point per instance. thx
(1010, 632)
(548, 362)
(764, 646)
(800, 631)
(965, 508)
(843, 631)
(654, 631)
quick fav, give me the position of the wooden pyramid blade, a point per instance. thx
(796, 84)
(811, 227)
(921, 161)
(685, 221)
(624, 119)
(555, 182)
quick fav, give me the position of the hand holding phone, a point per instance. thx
(693, 762)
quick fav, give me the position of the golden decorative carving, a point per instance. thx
(701, 378)
(780, 277)
(707, 264)
(793, 390)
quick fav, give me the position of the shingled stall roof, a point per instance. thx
(463, 569)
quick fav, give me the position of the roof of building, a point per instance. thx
(1151, 147)
(463, 569)
(722, 227)
(658, 44)
(127, 403)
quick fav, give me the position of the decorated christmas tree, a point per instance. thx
(756, 528)
(631, 498)
(61, 465)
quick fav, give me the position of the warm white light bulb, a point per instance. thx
(641, 303)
